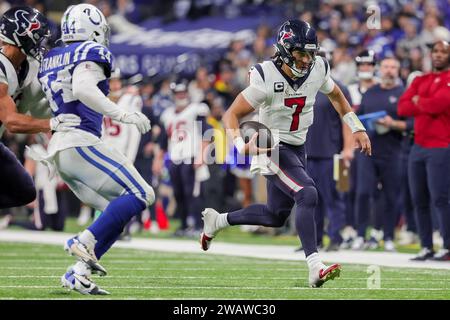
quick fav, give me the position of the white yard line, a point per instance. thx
(231, 288)
(274, 252)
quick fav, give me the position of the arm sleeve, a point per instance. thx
(134, 139)
(328, 83)
(406, 107)
(255, 93)
(85, 78)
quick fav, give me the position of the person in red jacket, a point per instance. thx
(428, 101)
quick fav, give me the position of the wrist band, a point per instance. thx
(352, 120)
(239, 144)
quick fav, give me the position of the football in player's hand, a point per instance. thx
(248, 129)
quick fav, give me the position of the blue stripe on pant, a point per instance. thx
(120, 167)
(104, 169)
(429, 182)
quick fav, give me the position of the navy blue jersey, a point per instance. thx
(56, 73)
(324, 137)
(379, 99)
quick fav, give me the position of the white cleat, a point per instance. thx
(318, 277)
(209, 227)
(75, 248)
(81, 284)
(389, 246)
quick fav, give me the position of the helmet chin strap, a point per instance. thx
(297, 73)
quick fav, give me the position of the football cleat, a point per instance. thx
(75, 248)
(372, 244)
(389, 246)
(81, 284)
(209, 227)
(442, 255)
(318, 277)
(423, 255)
(358, 244)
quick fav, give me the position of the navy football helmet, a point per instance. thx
(297, 35)
(366, 56)
(26, 28)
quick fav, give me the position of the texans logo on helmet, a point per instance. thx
(286, 35)
(23, 25)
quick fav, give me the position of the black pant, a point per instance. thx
(16, 185)
(182, 177)
(429, 181)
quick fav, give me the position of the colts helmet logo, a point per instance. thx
(23, 25)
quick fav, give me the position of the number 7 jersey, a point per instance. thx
(286, 105)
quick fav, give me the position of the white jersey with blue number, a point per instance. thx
(55, 75)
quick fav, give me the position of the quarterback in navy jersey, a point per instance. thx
(22, 31)
(75, 80)
(283, 91)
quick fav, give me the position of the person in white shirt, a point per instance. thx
(185, 123)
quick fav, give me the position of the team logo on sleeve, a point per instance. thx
(278, 86)
(23, 25)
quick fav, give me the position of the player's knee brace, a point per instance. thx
(307, 196)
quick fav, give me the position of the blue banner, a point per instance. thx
(180, 47)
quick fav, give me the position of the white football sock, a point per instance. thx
(88, 239)
(314, 261)
(221, 221)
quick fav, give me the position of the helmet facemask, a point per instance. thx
(306, 57)
(38, 50)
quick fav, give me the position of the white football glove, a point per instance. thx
(64, 122)
(139, 119)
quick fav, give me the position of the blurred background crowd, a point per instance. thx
(404, 31)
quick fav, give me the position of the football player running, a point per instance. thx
(284, 90)
(22, 32)
(75, 80)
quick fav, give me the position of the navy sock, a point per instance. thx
(306, 200)
(109, 225)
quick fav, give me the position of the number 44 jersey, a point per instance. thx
(286, 105)
(55, 75)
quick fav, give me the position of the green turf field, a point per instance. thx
(232, 235)
(32, 271)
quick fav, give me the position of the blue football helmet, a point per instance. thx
(26, 28)
(296, 35)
